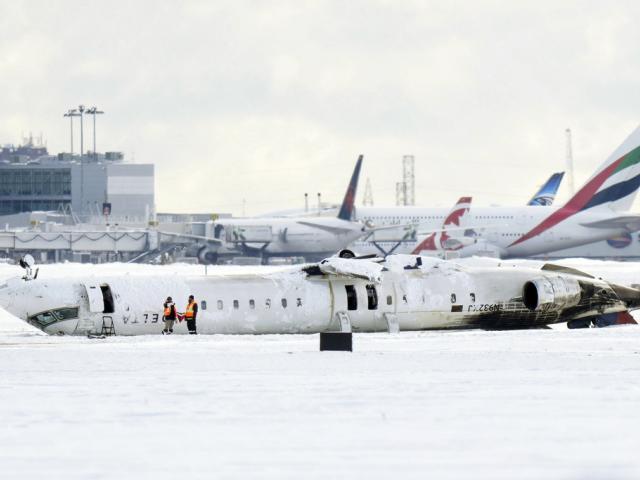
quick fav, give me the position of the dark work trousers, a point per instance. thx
(191, 326)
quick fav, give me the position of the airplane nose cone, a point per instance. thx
(5, 295)
(13, 298)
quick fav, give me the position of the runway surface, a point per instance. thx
(469, 404)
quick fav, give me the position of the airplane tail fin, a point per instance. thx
(459, 209)
(346, 209)
(615, 184)
(547, 193)
(437, 240)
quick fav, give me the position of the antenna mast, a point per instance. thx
(409, 180)
(367, 201)
(569, 162)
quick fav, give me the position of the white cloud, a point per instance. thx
(267, 100)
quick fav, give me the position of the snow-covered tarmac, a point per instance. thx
(468, 404)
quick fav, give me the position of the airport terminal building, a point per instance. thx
(88, 185)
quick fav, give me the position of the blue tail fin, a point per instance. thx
(547, 194)
(346, 210)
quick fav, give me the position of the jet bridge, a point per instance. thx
(248, 233)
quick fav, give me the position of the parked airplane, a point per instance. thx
(451, 237)
(599, 210)
(402, 292)
(310, 237)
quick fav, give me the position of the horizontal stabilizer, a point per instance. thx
(629, 222)
(604, 320)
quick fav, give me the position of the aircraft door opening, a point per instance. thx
(94, 295)
(107, 298)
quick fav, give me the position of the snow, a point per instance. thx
(466, 404)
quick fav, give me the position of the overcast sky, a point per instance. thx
(264, 101)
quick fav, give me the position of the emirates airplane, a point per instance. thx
(599, 210)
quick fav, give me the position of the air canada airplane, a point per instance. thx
(598, 211)
(343, 294)
(310, 237)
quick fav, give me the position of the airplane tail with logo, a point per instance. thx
(346, 209)
(613, 187)
(438, 240)
(547, 193)
(615, 184)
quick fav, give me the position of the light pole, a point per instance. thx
(81, 110)
(71, 113)
(94, 111)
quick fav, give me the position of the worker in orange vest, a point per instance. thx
(190, 315)
(169, 316)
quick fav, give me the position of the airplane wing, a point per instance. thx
(194, 237)
(347, 267)
(327, 228)
(629, 222)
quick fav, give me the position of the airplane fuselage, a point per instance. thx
(306, 236)
(500, 227)
(435, 295)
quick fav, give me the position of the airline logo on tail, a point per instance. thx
(437, 241)
(346, 210)
(547, 194)
(614, 185)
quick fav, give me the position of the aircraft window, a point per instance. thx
(107, 298)
(453, 298)
(284, 303)
(389, 300)
(252, 304)
(66, 313)
(473, 297)
(404, 298)
(203, 304)
(43, 319)
(352, 298)
(236, 304)
(267, 303)
(220, 305)
(372, 297)
(47, 318)
(298, 302)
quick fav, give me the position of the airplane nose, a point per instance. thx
(4, 295)
(10, 294)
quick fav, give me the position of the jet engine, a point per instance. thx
(207, 256)
(551, 293)
(454, 243)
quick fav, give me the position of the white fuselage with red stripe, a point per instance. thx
(499, 227)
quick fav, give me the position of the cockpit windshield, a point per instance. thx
(47, 318)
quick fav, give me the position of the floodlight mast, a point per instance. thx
(81, 110)
(71, 113)
(94, 111)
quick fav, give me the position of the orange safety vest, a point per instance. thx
(189, 311)
(167, 311)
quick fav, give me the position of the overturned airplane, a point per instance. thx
(338, 294)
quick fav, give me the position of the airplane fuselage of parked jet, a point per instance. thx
(497, 229)
(315, 236)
